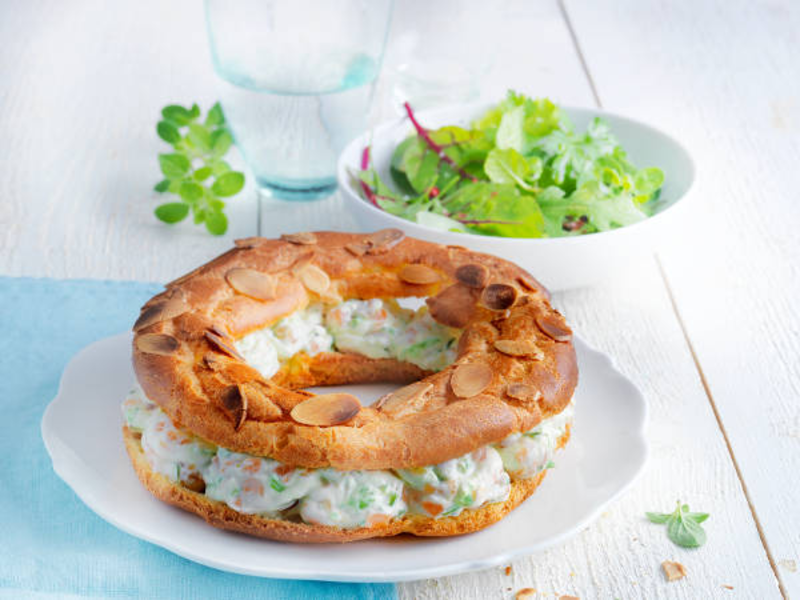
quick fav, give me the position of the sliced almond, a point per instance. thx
(220, 331)
(303, 238)
(235, 404)
(673, 570)
(404, 400)
(473, 275)
(418, 275)
(252, 283)
(222, 344)
(529, 283)
(518, 348)
(523, 392)
(553, 326)
(260, 406)
(383, 240)
(525, 594)
(326, 410)
(499, 296)
(453, 306)
(470, 379)
(157, 343)
(163, 311)
(315, 279)
(357, 248)
(250, 242)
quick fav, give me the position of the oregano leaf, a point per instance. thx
(190, 191)
(697, 517)
(658, 518)
(177, 114)
(228, 184)
(221, 141)
(172, 212)
(683, 527)
(199, 136)
(216, 222)
(218, 167)
(198, 214)
(215, 116)
(685, 532)
(174, 166)
(202, 174)
(168, 132)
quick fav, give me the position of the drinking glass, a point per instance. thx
(445, 58)
(297, 83)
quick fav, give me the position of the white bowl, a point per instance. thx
(559, 263)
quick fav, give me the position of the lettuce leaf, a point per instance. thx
(497, 209)
(509, 166)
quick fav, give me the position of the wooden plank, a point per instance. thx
(83, 87)
(724, 77)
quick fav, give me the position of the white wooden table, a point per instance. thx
(708, 327)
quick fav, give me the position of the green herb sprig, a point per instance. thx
(683, 527)
(196, 171)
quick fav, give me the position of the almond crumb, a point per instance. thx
(788, 564)
(525, 594)
(508, 570)
(727, 587)
(673, 570)
(568, 598)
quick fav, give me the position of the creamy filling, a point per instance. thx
(469, 481)
(525, 454)
(346, 499)
(375, 328)
(349, 499)
(173, 452)
(256, 485)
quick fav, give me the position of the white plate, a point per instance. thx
(559, 263)
(81, 430)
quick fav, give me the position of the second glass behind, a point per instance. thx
(298, 78)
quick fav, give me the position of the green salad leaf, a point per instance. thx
(509, 166)
(496, 209)
(520, 170)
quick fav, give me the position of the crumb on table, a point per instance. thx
(673, 570)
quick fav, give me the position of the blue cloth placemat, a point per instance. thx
(51, 545)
